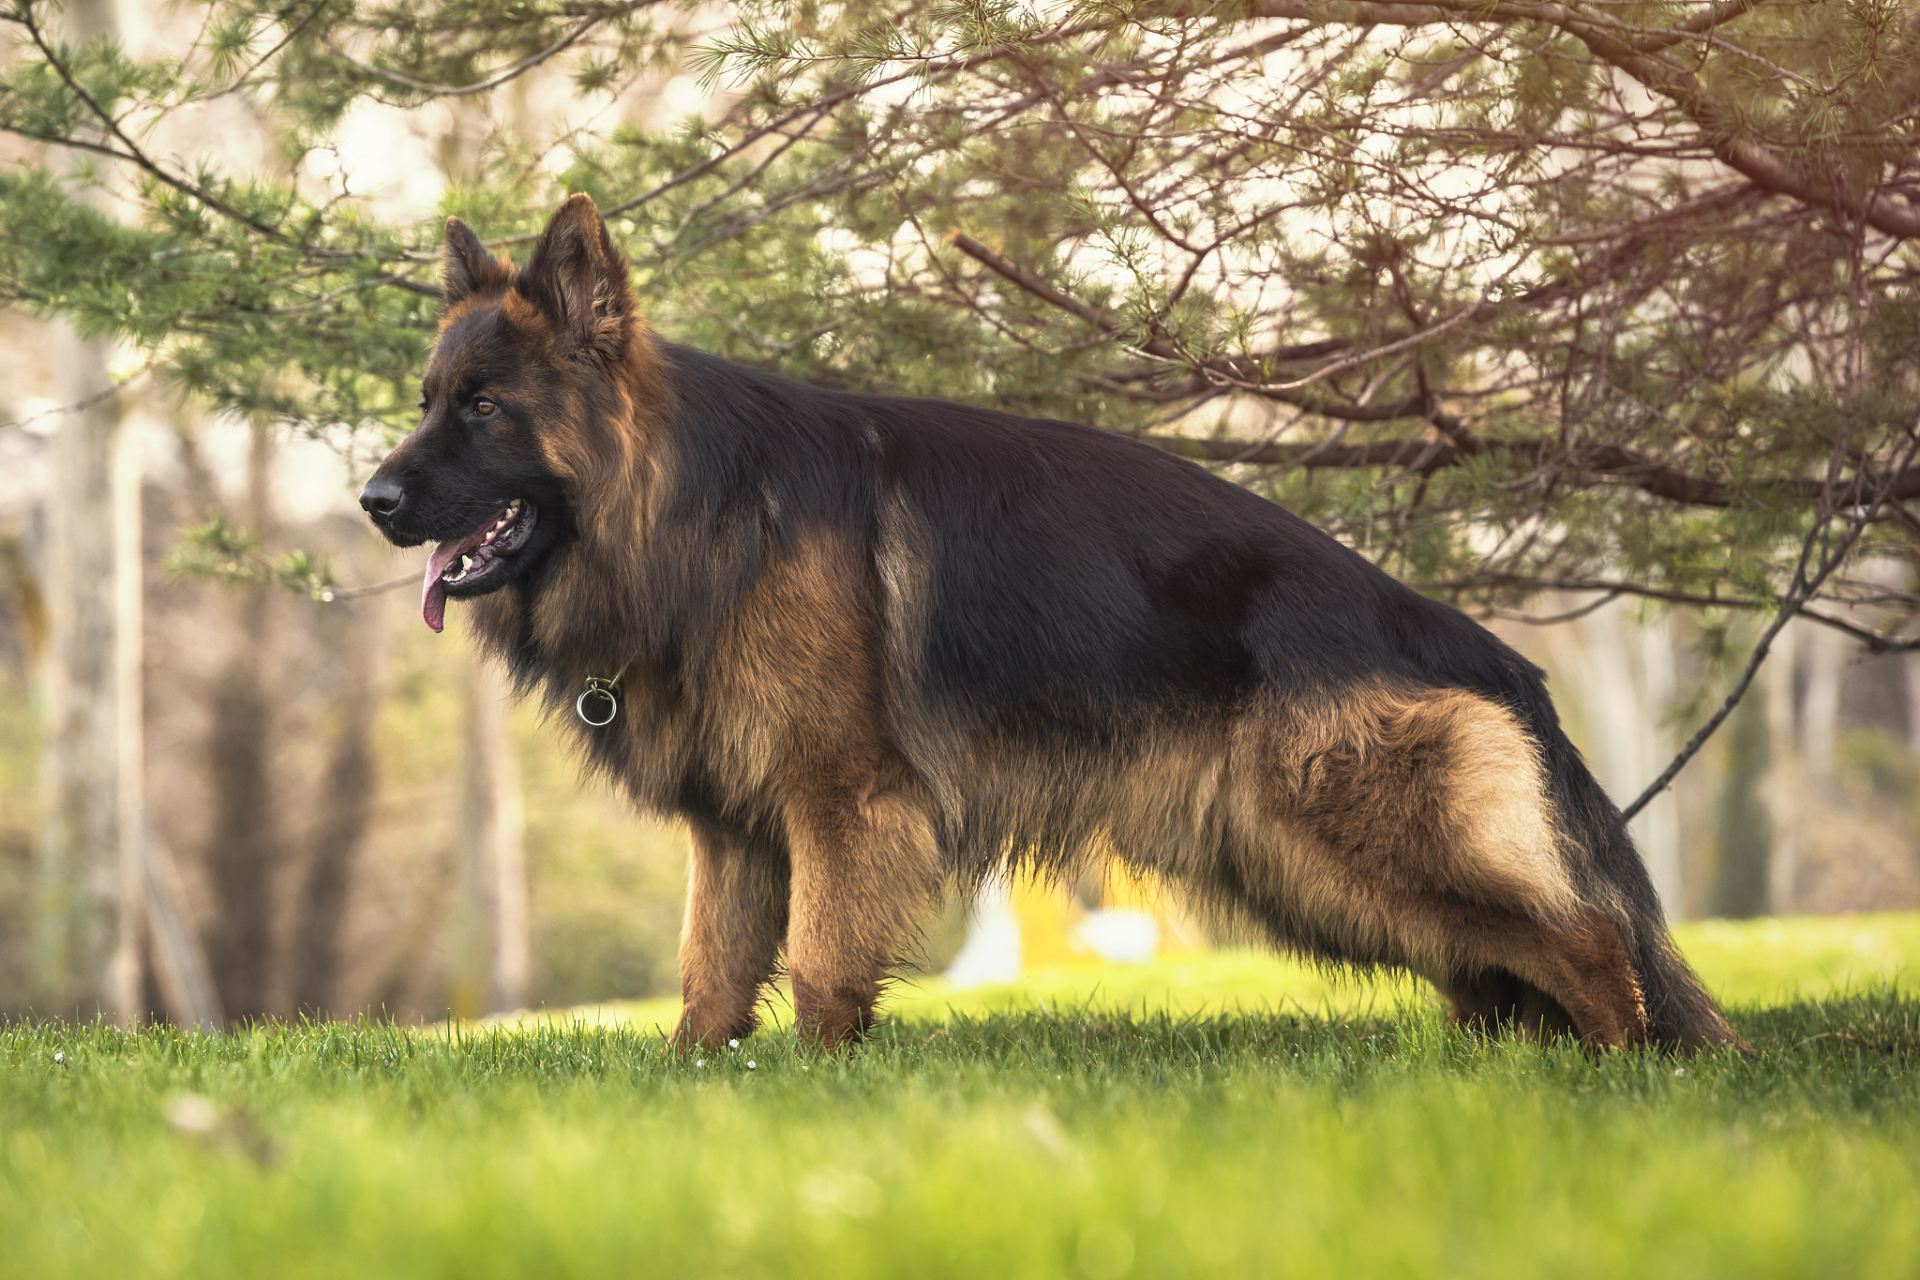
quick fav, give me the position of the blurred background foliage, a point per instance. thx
(1616, 301)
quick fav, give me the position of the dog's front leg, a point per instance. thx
(736, 921)
(864, 867)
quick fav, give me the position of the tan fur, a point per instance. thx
(1375, 791)
(736, 922)
(514, 309)
(864, 868)
(1413, 826)
(797, 688)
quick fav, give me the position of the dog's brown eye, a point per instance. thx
(483, 407)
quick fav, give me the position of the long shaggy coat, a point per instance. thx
(870, 647)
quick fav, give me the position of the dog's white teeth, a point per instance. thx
(466, 565)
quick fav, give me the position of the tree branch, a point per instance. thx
(133, 153)
(1104, 321)
(1707, 20)
(1633, 50)
(1424, 457)
(516, 70)
(1873, 641)
(1242, 373)
(1586, 460)
(1799, 591)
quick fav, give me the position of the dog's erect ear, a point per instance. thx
(579, 279)
(469, 267)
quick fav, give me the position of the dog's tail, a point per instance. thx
(1680, 1012)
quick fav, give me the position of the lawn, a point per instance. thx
(1213, 1114)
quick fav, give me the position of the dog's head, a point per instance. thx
(528, 370)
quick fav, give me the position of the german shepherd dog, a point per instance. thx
(871, 648)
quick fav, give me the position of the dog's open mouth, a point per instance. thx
(461, 564)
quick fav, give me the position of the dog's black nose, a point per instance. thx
(381, 498)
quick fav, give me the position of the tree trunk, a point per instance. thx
(512, 934)
(181, 971)
(1620, 677)
(346, 810)
(1787, 792)
(89, 881)
(1826, 655)
(1743, 823)
(488, 949)
(240, 856)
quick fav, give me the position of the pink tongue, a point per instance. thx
(433, 592)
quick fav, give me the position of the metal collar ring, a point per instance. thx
(599, 696)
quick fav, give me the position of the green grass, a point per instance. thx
(1123, 1133)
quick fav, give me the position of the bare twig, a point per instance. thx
(374, 589)
(1555, 619)
(1162, 348)
(1582, 459)
(105, 393)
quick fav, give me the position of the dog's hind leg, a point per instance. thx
(1496, 1003)
(1413, 826)
(864, 870)
(736, 921)
(1545, 979)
